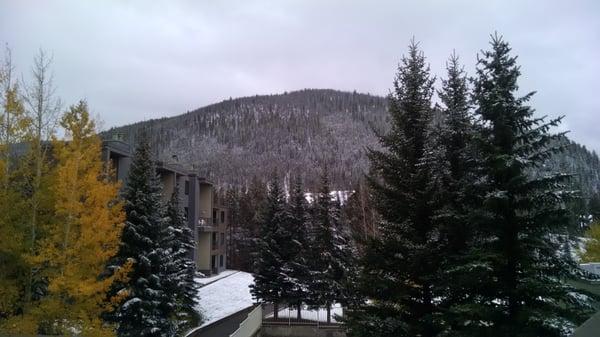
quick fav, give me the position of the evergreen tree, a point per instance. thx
(271, 283)
(297, 265)
(330, 248)
(401, 266)
(183, 288)
(232, 202)
(246, 229)
(520, 266)
(147, 308)
(460, 191)
(594, 207)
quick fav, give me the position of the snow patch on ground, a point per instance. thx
(225, 296)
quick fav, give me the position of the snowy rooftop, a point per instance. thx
(227, 294)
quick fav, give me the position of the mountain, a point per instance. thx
(296, 133)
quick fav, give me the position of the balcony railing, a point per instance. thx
(206, 225)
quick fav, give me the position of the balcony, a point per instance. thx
(206, 225)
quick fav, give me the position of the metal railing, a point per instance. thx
(288, 315)
(205, 225)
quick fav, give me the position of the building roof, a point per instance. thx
(175, 168)
(125, 149)
(117, 146)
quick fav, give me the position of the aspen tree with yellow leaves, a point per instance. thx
(85, 234)
(14, 126)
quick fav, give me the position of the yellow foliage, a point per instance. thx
(592, 247)
(20, 326)
(86, 233)
(14, 267)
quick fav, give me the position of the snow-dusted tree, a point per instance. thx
(181, 268)
(593, 207)
(401, 266)
(271, 282)
(245, 210)
(297, 266)
(460, 192)
(147, 308)
(522, 272)
(330, 251)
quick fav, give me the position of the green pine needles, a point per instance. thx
(471, 243)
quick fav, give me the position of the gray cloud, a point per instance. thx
(135, 60)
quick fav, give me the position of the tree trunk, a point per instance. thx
(328, 313)
(299, 316)
(34, 213)
(275, 310)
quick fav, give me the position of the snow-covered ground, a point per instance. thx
(313, 315)
(225, 296)
(206, 280)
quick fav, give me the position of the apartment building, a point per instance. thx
(206, 217)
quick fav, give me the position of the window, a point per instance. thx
(214, 240)
(222, 216)
(221, 260)
(187, 187)
(222, 239)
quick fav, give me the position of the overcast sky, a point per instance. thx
(135, 60)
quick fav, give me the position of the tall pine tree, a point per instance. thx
(297, 266)
(271, 282)
(400, 267)
(330, 251)
(181, 268)
(147, 308)
(460, 191)
(523, 271)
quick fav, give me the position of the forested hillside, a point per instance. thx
(296, 132)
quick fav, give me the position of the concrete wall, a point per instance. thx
(168, 181)
(250, 326)
(593, 268)
(300, 331)
(123, 164)
(205, 203)
(203, 260)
